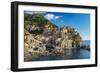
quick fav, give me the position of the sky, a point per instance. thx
(81, 22)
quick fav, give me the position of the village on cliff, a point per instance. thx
(42, 38)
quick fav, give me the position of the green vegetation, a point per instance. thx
(36, 19)
(42, 37)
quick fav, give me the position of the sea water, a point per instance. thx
(73, 54)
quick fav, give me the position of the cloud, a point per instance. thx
(51, 16)
(57, 17)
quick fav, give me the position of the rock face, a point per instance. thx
(49, 39)
(70, 39)
(43, 44)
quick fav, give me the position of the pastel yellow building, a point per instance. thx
(65, 30)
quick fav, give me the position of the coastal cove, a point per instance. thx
(70, 55)
(81, 54)
(45, 39)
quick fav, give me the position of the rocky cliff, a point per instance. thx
(41, 37)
